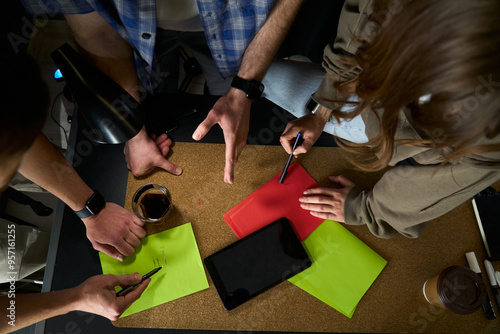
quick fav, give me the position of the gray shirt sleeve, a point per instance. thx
(407, 197)
(353, 25)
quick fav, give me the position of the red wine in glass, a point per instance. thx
(154, 206)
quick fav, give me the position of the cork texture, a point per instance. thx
(393, 304)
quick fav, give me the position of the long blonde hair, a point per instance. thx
(447, 51)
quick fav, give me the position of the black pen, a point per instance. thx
(493, 282)
(285, 170)
(129, 288)
(488, 310)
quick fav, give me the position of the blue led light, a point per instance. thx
(58, 74)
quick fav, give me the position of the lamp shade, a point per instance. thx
(109, 113)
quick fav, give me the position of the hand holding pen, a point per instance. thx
(97, 294)
(285, 170)
(126, 289)
(310, 129)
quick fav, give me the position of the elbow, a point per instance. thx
(387, 229)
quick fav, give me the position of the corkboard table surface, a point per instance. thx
(394, 303)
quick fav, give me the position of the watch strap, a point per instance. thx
(252, 88)
(241, 84)
(84, 213)
(314, 108)
(93, 206)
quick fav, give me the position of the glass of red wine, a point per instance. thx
(152, 202)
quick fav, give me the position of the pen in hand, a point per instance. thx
(285, 170)
(129, 288)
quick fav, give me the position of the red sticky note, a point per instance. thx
(273, 201)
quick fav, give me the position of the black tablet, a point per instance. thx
(487, 210)
(256, 263)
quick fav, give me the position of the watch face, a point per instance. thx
(255, 90)
(311, 105)
(96, 203)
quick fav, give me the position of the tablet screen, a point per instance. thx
(487, 211)
(256, 263)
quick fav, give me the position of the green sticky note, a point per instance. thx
(182, 275)
(343, 267)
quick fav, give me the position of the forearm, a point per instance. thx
(27, 309)
(47, 167)
(106, 49)
(408, 197)
(264, 46)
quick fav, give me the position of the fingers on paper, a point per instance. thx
(123, 247)
(132, 240)
(321, 203)
(323, 211)
(318, 191)
(108, 250)
(326, 215)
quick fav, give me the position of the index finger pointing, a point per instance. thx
(230, 163)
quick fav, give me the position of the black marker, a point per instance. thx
(493, 282)
(285, 170)
(474, 265)
(129, 288)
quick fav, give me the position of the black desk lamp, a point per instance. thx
(110, 114)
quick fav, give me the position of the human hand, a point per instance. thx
(144, 153)
(327, 203)
(232, 113)
(310, 125)
(114, 231)
(97, 294)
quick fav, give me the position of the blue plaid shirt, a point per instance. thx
(229, 25)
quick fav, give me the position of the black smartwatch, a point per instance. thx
(252, 88)
(93, 206)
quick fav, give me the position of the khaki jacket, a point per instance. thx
(408, 196)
